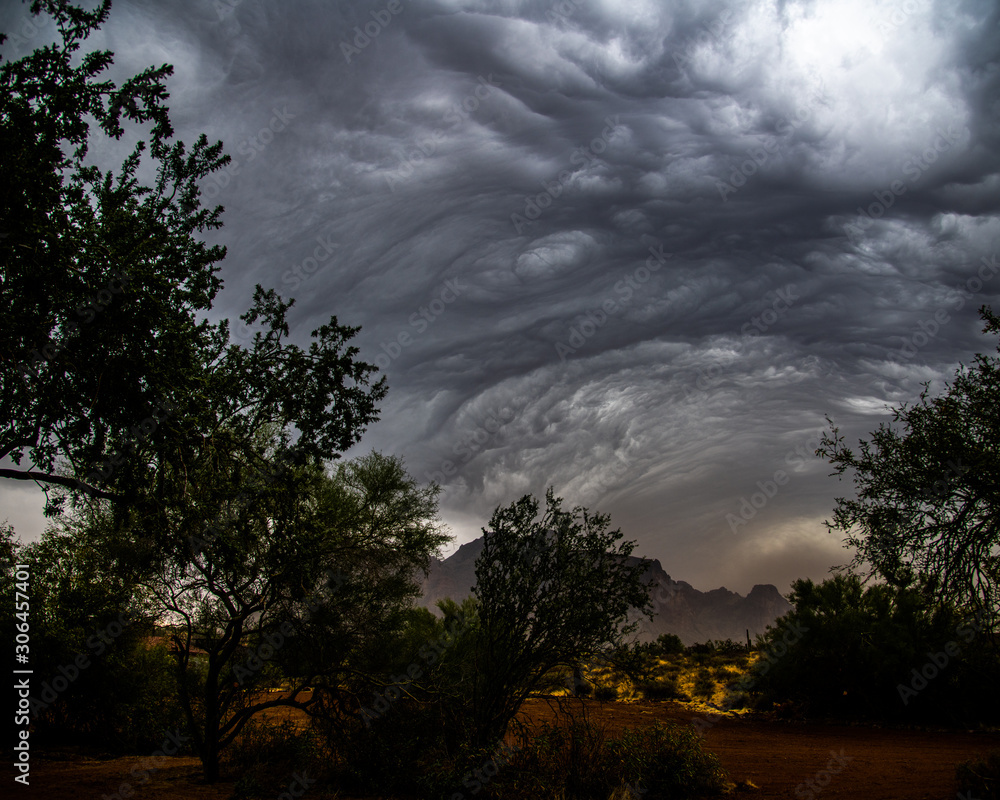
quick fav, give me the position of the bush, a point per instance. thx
(263, 757)
(669, 644)
(667, 761)
(852, 651)
(662, 689)
(413, 748)
(980, 777)
(604, 692)
(580, 762)
(704, 684)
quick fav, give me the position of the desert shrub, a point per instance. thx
(604, 692)
(669, 644)
(413, 748)
(704, 684)
(263, 757)
(581, 762)
(980, 777)
(664, 688)
(667, 761)
(728, 647)
(851, 650)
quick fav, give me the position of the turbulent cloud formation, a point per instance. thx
(635, 251)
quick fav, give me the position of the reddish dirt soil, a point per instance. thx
(777, 757)
(780, 757)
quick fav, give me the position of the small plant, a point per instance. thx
(579, 762)
(667, 761)
(980, 777)
(704, 684)
(662, 689)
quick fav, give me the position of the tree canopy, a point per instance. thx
(551, 590)
(927, 501)
(108, 368)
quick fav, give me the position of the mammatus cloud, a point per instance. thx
(637, 251)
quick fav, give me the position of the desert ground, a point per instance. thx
(767, 759)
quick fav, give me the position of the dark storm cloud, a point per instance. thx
(637, 251)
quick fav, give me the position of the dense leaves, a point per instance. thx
(111, 380)
(928, 488)
(879, 651)
(551, 590)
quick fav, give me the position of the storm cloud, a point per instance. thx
(637, 251)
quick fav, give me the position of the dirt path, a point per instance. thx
(778, 757)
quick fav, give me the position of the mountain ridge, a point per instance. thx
(678, 607)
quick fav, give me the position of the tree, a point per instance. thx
(97, 677)
(293, 581)
(109, 375)
(928, 489)
(551, 591)
(879, 651)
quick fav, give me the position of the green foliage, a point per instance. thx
(636, 661)
(581, 762)
(314, 573)
(846, 650)
(112, 384)
(102, 279)
(668, 644)
(979, 777)
(928, 489)
(704, 684)
(530, 578)
(91, 620)
(662, 688)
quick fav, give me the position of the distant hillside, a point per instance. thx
(679, 608)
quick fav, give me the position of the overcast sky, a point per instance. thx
(636, 250)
